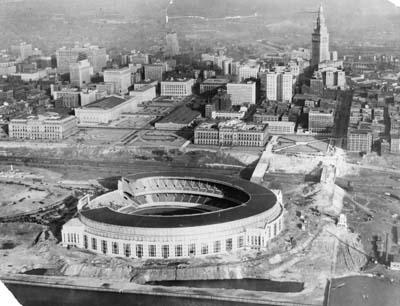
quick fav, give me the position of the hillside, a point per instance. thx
(142, 23)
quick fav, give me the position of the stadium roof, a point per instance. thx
(260, 200)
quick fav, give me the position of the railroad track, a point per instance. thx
(142, 165)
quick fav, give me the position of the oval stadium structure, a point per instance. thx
(175, 215)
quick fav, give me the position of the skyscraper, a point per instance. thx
(320, 41)
(285, 87)
(65, 56)
(80, 72)
(272, 86)
(279, 86)
(172, 48)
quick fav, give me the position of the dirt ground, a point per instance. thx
(310, 249)
(373, 207)
(25, 189)
(20, 195)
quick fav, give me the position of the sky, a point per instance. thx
(395, 2)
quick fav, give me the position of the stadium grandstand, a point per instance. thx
(170, 215)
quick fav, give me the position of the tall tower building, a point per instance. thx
(272, 86)
(320, 40)
(172, 47)
(285, 87)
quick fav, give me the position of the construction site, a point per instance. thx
(339, 221)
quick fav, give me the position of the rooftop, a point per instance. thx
(322, 111)
(43, 116)
(240, 125)
(154, 65)
(174, 80)
(106, 103)
(148, 81)
(117, 70)
(181, 114)
(243, 83)
(216, 81)
(233, 124)
(144, 87)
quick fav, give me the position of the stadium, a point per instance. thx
(176, 214)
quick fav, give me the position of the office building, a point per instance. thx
(172, 47)
(154, 72)
(66, 57)
(327, 78)
(145, 93)
(395, 143)
(108, 88)
(207, 74)
(333, 78)
(279, 86)
(22, 50)
(31, 76)
(247, 70)
(138, 58)
(121, 78)
(359, 140)
(271, 86)
(80, 73)
(220, 102)
(227, 66)
(177, 87)
(88, 96)
(242, 93)
(317, 86)
(285, 87)
(69, 97)
(340, 79)
(321, 121)
(280, 127)
(50, 126)
(96, 56)
(320, 41)
(221, 61)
